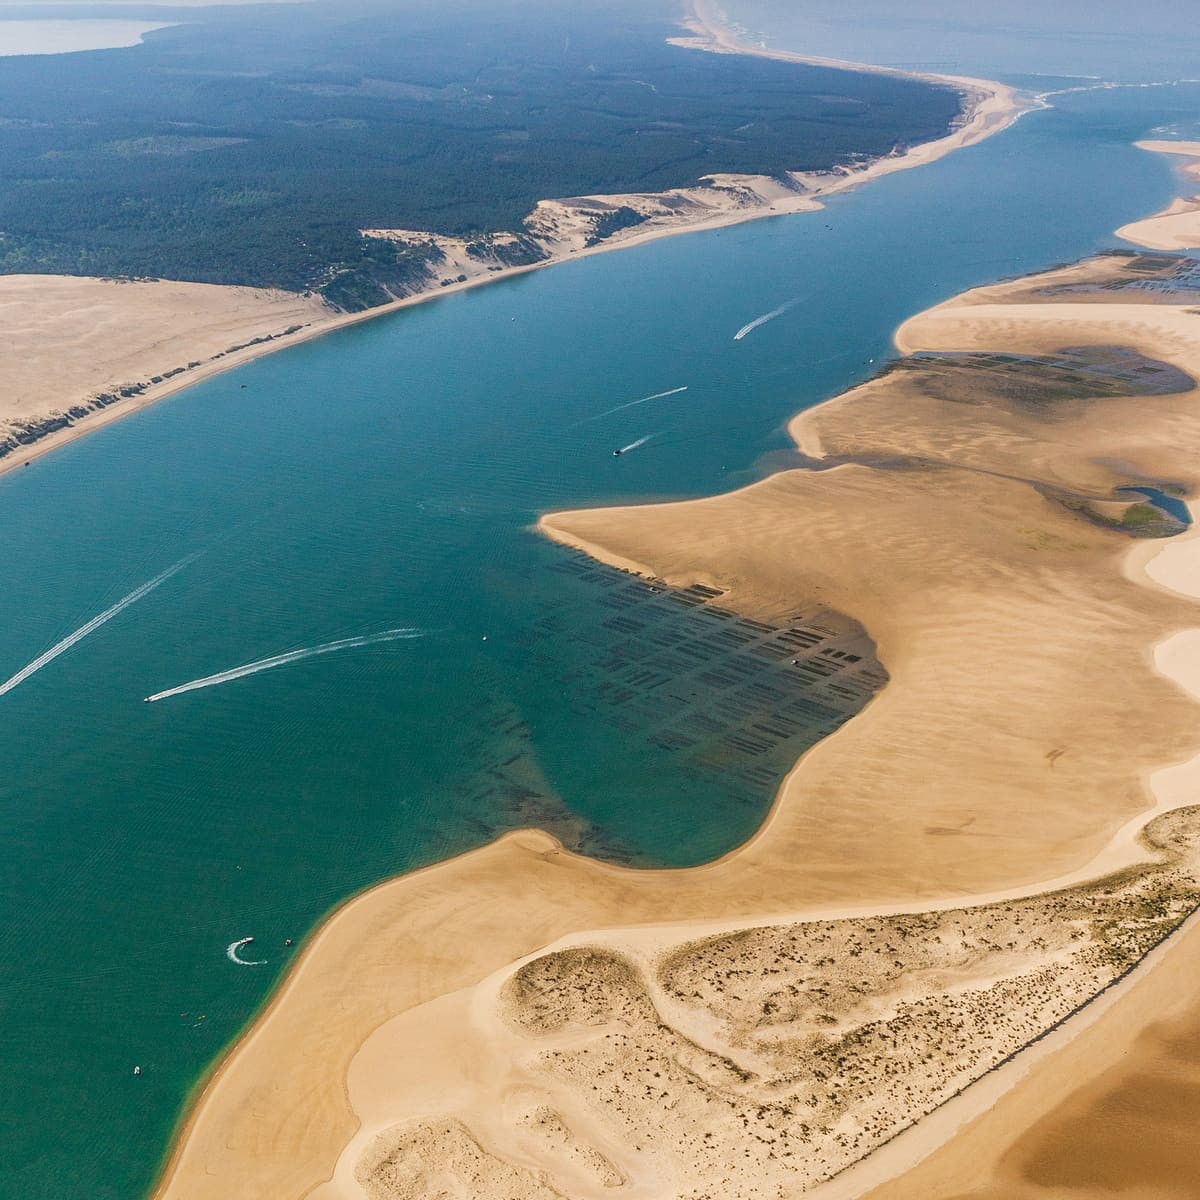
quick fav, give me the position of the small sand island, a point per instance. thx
(1178, 227)
(971, 899)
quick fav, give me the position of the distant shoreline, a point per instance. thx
(988, 108)
(79, 34)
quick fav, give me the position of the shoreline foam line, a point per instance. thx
(282, 660)
(91, 626)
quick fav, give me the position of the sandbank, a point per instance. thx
(137, 330)
(1113, 1107)
(1178, 226)
(996, 606)
(72, 345)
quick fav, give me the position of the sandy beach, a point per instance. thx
(112, 334)
(418, 1045)
(78, 352)
(1178, 226)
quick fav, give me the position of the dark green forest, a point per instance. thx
(250, 145)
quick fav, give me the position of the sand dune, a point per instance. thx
(1111, 1112)
(1176, 228)
(71, 346)
(755, 1063)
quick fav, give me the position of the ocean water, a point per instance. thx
(384, 477)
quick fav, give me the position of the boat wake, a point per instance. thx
(282, 660)
(631, 404)
(92, 625)
(633, 445)
(775, 312)
(231, 953)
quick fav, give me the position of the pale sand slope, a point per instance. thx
(994, 608)
(67, 340)
(1177, 227)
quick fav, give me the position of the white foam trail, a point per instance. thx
(775, 312)
(231, 953)
(1109, 85)
(631, 404)
(634, 445)
(92, 625)
(281, 660)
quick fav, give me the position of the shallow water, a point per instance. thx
(1172, 505)
(387, 476)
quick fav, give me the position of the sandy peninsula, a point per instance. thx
(1178, 226)
(76, 352)
(87, 351)
(943, 887)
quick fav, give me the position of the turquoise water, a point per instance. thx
(387, 476)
